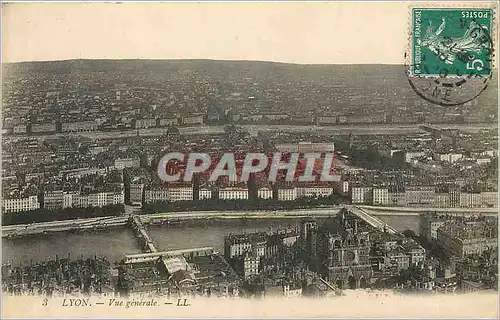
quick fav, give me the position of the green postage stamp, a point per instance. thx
(451, 42)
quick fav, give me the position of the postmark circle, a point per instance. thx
(449, 92)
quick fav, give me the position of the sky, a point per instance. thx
(307, 33)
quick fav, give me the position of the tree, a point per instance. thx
(409, 233)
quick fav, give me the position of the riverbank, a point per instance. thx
(175, 217)
(376, 210)
(159, 218)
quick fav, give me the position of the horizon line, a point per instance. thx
(200, 59)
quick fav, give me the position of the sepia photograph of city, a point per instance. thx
(249, 159)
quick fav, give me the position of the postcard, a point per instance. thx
(249, 160)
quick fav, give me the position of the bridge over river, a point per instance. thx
(141, 234)
(370, 219)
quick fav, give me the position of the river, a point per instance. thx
(116, 242)
(253, 129)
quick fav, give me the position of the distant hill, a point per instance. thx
(218, 68)
(360, 83)
(205, 66)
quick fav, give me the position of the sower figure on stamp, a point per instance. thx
(473, 41)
